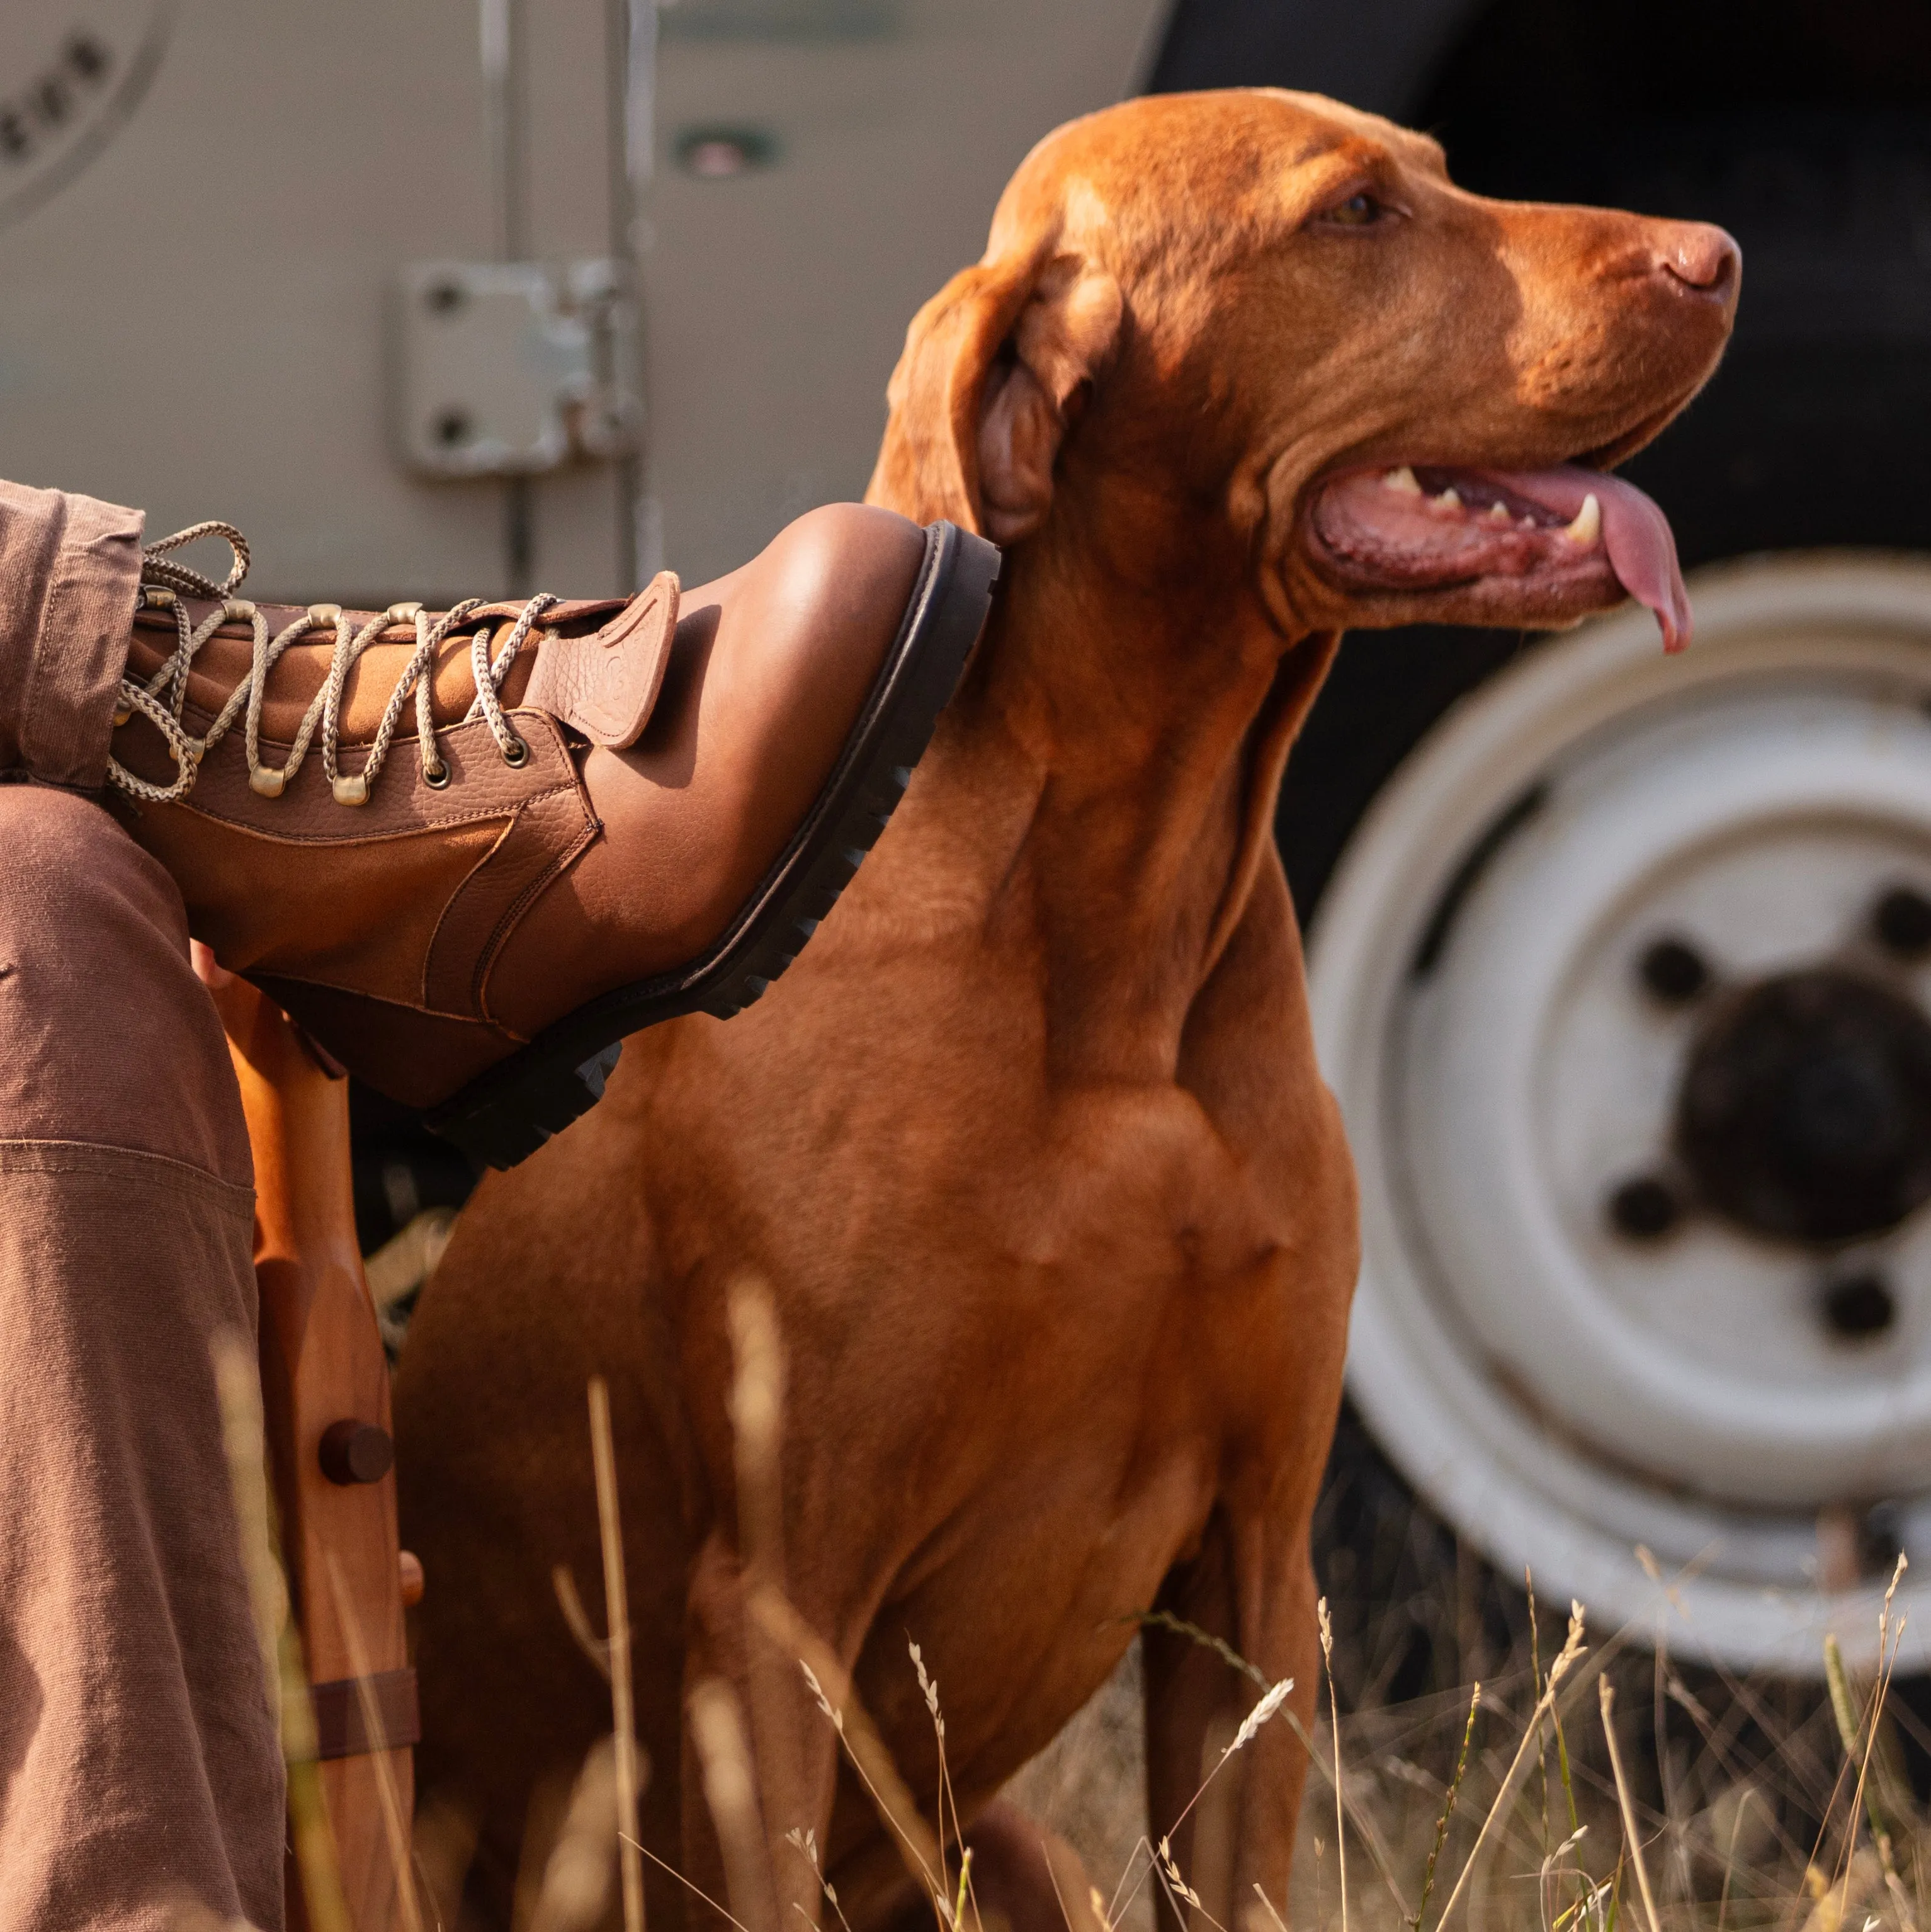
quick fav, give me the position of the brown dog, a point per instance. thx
(1030, 1147)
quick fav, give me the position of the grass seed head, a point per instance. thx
(1258, 1716)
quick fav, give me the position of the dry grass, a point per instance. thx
(1530, 1800)
(1481, 1761)
(1594, 1786)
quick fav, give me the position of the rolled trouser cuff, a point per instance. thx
(70, 572)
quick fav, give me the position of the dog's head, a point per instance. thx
(1398, 399)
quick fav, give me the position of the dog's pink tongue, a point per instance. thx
(1636, 538)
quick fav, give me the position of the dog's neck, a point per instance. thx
(1105, 783)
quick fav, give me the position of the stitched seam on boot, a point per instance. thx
(506, 926)
(469, 878)
(510, 813)
(287, 979)
(477, 969)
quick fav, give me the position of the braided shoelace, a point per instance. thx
(164, 586)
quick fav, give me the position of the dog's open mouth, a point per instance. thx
(1539, 543)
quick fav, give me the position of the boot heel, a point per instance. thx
(510, 1122)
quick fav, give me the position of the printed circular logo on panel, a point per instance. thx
(70, 75)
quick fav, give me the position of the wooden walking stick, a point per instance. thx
(325, 1403)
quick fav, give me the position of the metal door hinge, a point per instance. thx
(513, 368)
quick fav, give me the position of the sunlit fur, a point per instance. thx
(1031, 1146)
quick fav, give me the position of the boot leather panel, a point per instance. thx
(540, 843)
(411, 1056)
(371, 911)
(772, 665)
(408, 897)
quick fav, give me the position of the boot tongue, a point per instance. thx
(1636, 537)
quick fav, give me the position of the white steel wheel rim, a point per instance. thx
(1667, 1432)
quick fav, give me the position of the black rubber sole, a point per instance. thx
(503, 1116)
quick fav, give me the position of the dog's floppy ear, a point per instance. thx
(983, 396)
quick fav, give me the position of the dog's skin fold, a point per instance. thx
(1030, 1149)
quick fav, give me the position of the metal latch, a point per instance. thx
(512, 368)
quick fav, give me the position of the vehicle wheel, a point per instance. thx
(1621, 982)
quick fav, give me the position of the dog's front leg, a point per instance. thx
(1231, 1824)
(760, 1761)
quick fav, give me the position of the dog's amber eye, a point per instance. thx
(1356, 212)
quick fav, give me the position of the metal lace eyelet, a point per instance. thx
(516, 752)
(436, 776)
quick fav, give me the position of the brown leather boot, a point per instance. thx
(470, 851)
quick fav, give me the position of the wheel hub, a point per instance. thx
(1805, 1111)
(1639, 1086)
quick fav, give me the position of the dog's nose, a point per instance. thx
(1700, 256)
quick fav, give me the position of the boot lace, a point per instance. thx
(163, 698)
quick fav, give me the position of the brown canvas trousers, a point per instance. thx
(139, 1762)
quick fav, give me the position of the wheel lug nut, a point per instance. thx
(1857, 1306)
(1673, 971)
(1902, 919)
(1644, 1208)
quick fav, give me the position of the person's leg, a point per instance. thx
(69, 569)
(138, 1753)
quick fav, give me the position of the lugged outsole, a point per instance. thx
(505, 1115)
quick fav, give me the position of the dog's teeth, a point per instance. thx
(1588, 524)
(1498, 513)
(1450, 498)
(1402, 479)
